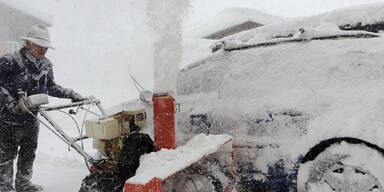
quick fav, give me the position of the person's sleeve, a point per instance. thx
(4, 99)
(56, 90)
(5, 66)
(5, 70)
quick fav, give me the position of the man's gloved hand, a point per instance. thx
(76, 97)
(21, 106)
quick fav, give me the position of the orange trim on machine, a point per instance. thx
(153, 185)
(164, 121)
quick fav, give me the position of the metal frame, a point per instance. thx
(58, 131)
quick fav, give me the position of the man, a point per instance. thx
(25, 71)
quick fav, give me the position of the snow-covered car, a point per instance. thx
(304, 102)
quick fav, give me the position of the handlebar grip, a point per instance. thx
(75, 104)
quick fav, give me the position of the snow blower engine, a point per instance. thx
(109, 132)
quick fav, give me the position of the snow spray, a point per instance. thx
(165, 18)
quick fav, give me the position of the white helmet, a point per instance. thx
(39, 35)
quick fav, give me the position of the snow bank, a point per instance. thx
(232, 17)
(164, 163)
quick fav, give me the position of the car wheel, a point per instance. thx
(343, 167)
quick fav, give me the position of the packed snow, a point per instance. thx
(166, 162)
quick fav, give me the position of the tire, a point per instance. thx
(347, 167)
(205, 176)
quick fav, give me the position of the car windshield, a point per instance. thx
(321, 32)
(303, 34)
(354, 22)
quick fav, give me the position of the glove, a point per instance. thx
(75, 97)
(21, 106)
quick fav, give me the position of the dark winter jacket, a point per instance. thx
(21, 71)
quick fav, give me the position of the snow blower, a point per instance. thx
(120, 144)
(111, 135)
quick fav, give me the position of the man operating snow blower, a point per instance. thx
(25, 72)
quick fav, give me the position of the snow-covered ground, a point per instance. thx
(57, 167)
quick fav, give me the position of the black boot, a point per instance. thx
(8, 152)
(27, 149)
(7, 189)
(28, 187)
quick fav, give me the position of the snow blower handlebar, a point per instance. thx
(66, 138)
(90, 101)
(36, 101)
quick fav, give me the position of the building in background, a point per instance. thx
(234, 20)
(16, 19)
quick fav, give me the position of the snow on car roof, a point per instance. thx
(235, 16)
(359, 15)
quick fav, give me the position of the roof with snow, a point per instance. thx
(234, 20)
(17, 18)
